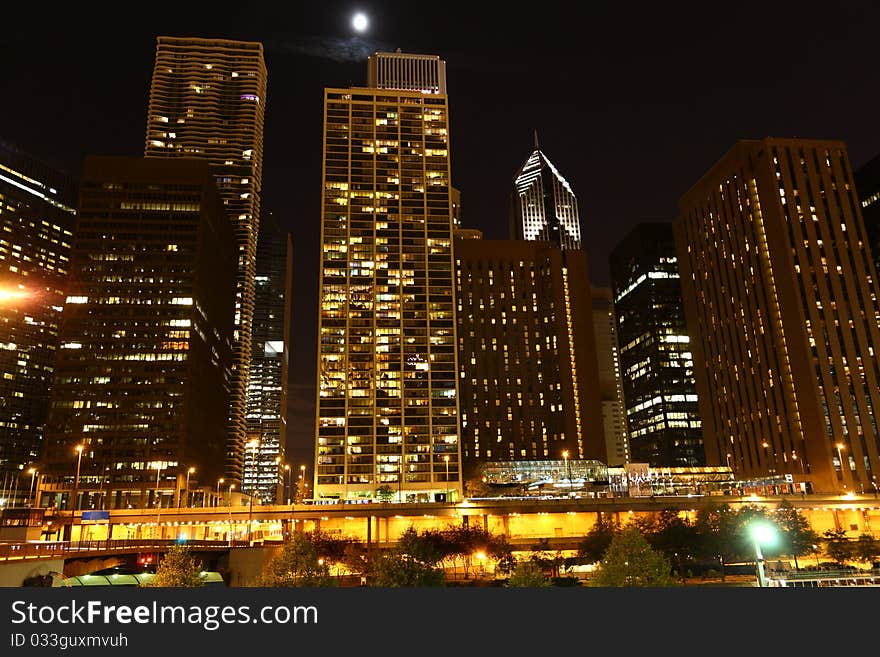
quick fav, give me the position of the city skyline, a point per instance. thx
(646, 113)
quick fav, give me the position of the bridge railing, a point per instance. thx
(52, 549)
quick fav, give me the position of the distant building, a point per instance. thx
(36, 224)
(208, 101)
(543, 204)
(781, 298)
(527, 353)
(610, 382)
(867, 181)
(387, 409)
(143, 373)
(663, 415)
(267, 390)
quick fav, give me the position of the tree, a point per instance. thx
(478, 487)
(717, 528)
(675, 537)
(598, 539)
(297, 564)
(631, 562)
(178, 569)
(466, 542)
(527, 574)
(837, 545)
(385, 493)
(866, 549)
(412, 563)
(798, 537)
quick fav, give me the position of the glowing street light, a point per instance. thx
(219, 481)
(79, 453)
(762, 533)
(287, 488)
(33, 473)
(254, 445)
(568, 470)
(446, 459)
(186, 494)
(840, 447)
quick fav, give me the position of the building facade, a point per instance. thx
(529, 381)
(781, 302)
(663, 414)
(142, 381)
(543, 206)
(387, 407)
(208, 101)
(36, 223)
(867, 180)
(610, 381)
(270, 353)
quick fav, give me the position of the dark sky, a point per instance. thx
(633, 104)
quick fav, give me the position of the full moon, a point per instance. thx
(360, 22)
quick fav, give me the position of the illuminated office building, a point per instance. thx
(610, 383)
(208, 101)
(387, 403)
(36, 223)
(543, 205)
(529, 384)
(143, 371)
(267, 390)
(868, 187)
(655, 351)
(781, 302)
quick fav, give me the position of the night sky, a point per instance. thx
(631, 104)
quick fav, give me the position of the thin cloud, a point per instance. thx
(352, 49)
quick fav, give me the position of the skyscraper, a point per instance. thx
(142, 377)
(387, 408)
(528, 368)
(36, 223)
(208, 101)
(655, 350)
(267, 390)
(610, 383)
(867, 180)
(781, 302)
(543, 206)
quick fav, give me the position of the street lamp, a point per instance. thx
(33, 473)
(728, 461)
(73, 505)
(253, 444)
(186, 494)
(287, 488)
(302, 475)
(568, 470)
(217, 497)
(762, 533)
(840, 447)
(158, 497)
(231, 486)
(446, 459)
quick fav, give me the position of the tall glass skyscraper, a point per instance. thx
(36, 224)
(543, 205)
(655, 350)
(387, 390)
(208, 101)
(267, 390)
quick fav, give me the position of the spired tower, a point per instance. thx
(387, 408)
(208, 101)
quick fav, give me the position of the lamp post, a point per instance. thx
(33, 474)
(73, 505)
(874, 484)
(253, 444)
(158, 498)
(568, 470)
(217, 497)
(287, 487)
(186, 494)
(728, 461)
(229, 497)
(302, 475)
(446, 459)
(766, 534)
(840, 447)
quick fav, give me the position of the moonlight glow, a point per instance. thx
(360, 22)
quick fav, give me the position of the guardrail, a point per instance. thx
(55, 549)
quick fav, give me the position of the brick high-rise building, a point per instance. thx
(529, 381)
(387, 408)
(142, 381)
(655, 351)
(36, 224)
(208, 101)
(781, 299)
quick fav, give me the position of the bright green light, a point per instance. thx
(763, 533)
